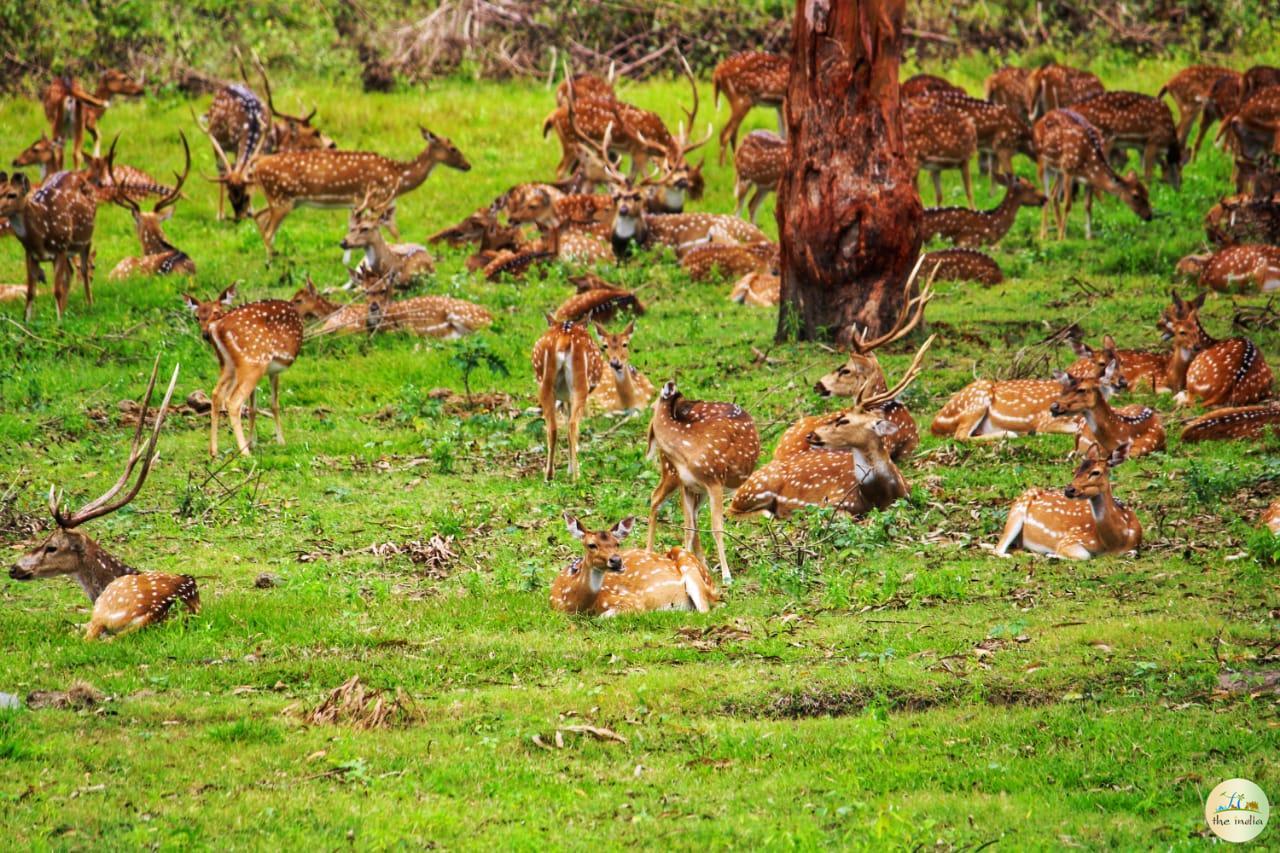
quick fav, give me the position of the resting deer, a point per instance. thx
(123, 599)
(1230, 372)
(985, 410)
(1137, 426)
(1008, 88)
(1271, 518)
(940, 137)
(1129, 120)
(746, 79)
(71, 110)
(400, 263)
(622, 387)
(962, 265)
(483, 229)
(257, 339)
(429, 316)
(705, 261)
(927, 85)
(1190, 89)
(1235, 268)
(567, 367)
(326, 178)
(310, 304)
(607, 581)
(1234, 423)
(159, 256)
(1137, 367)
(759, 164)
(53, 223)
(597, 301)
(1244, 219)
(1070, 150)
(1084, 520)
(843, 460)
(703, 449)
(965, 227)
(760, 288)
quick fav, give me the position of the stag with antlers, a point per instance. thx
(124, 599)
(159, 256)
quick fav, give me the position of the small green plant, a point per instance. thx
(472, 354)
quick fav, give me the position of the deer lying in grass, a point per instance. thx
(703, 262)
(1271, 518)
(483, 229)
(962, 265)
(398, 263)
(703, 449)
(597, 300)
(1082, 521)
(760, 288)
(428, 316)
(1231, 372)
(608, 581)
(965, 227)
(1234, 423)
(622, 387)
(159, 256)
(123, 599)
(1137, 367)
(1137, 426)
(1235, 268)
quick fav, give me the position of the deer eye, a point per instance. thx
(50, 549)
(591, 546)
(1094, 473)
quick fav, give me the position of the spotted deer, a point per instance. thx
(123, 598)
(328, 178)
(705, 261)
(1271, 518)
(985, 410)
(609, 581)
(1129, 120)
(703, 450)
(759, 163)
(71, 110)
(159, 256)
(1137, 368)
(1082, 521)
(1234, 423)
(843, 460)
(53, 222)
(1190, 89)
(1070, 150)
(483, 229)
(1008, 88)
(44, 153)
(1244, 219)
(622, 388)
(1231, 372)
(1243, 268)
(962, 265)
(747, 79)
(340, 318)
(1254, 130)
(969, 228)
(114, 181)
(1137, 426)
(567, 367)
(238, 122)
(1000, 132)
(400, 263)
(253, 340)
(1053, 86)
(760, 288)
(586, 87)
(443, 317)
(940, 137)
(599, 304)
(927, 85)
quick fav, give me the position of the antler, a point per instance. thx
(681, 139)
(108, 503)
(217, 148)
(598, 149)
(117, 195)
(266, 85)
(912, 313)
(174, 194)
(864, 401)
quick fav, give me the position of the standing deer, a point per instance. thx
(237, 122)
(159, 256)
(1129, 120)
(759, 164)
(607, 581)
(1082, 521)
(1230, 372)
(703, 449)
(927, 85)
(123, 599)
(1007, 87)
(622, 387)
(586, 86)
(1235, 268)
(1137, 426)
(1053, 86)
(746, 79)
(1190, 89)
(52, 222)
(843, 460)
(1070, 150)
(567, 367)
(257, 339)
(965, 227)
(1000, 131)
(71, 110)
(327, 178)
(938, 137)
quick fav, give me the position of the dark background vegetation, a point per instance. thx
(392, 43)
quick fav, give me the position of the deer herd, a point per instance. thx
(1076, 133)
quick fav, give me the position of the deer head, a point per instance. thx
(67, 551)
(1180, 322)
(43, 153)
(364, 228)
(616, 347)
(1093, 477)
(440, 150)
(147, 224)
(862, 368)
(309, 303)
(208, 311)
(600, 547)
(1084, 395)
(1102, 359)
(13, 193)
(116, 82)
(1024, 192)
(1192, 265)
(237, 177)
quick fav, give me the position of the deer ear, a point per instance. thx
(191, 302)
(1198, 302)
(1081, 348)
(227, 296)
(1111, 373)
(601, 331)
(630, 329)
(1118, 455)
(575, 526)
(426, 134)
(23, 182)
(166, 214)
(551, 319)
(1063, 378)
(1108, 342)
(1177, 300)
(885, 429)
(623, 528)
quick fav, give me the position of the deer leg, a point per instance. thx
(1012, 528)
(86, 276)
(577, 406)
(667, 483)
(219, 397)
(1204, 130)
(77, 135)
(1042, 175)
(273, 214)
(244, 386)
(61, 282)
(275, 407)
(33, 276)
(690, 503)
(782, 122)
(1067, 192)
(716, 496)
(968, 183)
(740, 190)
(1088, 212)
(253, 417)
(547, 402)
(756, 200)
(936, 175)
(729, 133)
(94, 631)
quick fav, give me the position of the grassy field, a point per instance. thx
(885, 682)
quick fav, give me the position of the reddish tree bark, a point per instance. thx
(848, 209)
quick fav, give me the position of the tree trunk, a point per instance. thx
(848, 209)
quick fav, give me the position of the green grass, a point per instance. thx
(835, 699)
